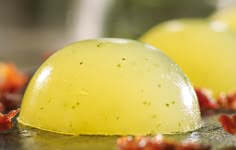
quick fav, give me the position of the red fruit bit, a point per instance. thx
(2, 107)
(10, 101)
(229, 124)
(156, 143)
(144, 143)
(206, 100)
(11, 83)
(228, 101)
(11, 79)
(6, 119)
(194, 146)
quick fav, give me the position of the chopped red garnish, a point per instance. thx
(6, 120)
(228, 101)
(12, 83)
(195, 146)
(206, 100)
(10, 78)
(156, 143)
(10, 101)
(229, 124)
(2, 107)
(144, 143)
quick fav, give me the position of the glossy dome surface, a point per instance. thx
(205, 51)
(227, 16)
(110, 87)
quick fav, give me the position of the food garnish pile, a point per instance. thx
(157, 143)
(228, 123)
(12, 83)
(208, 103)
(6, 119)
(225, 102)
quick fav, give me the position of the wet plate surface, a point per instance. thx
(25, 138)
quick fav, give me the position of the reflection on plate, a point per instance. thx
(25, 138)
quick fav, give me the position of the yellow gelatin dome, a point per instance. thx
(204, 50)
(110, 87)
(226, 15)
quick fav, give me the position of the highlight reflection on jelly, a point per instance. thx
(43, 77)
(92, 88)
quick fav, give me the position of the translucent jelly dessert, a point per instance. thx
(110, 87)
(226, 15)
(204, 50)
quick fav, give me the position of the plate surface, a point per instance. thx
(25, 138)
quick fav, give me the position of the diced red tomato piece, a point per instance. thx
(6, 119)
(156, 143)
(229, 124)
(10, 78)
(227, 101)
(206, 100)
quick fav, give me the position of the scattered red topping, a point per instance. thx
(194, 146)
(9, 101)
(156, 143)
(229, 124)
(2, 107)
(11, 84)
(206, 100)
(227, 102)
(11, 79)
(223, 102)
(6, 120)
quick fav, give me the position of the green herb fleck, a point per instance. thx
(167, 105)
(156, 65)
(173, 102)
(159, 85)
(154, 116)
(117, 118)
(99, 44)
(81, 63)
(73, 107)
(41, 108)
(49, 101)
(179, 124)
(118, 65)
(147, 103)
(152, 133)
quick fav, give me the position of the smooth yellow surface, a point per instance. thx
(205, 51)
(110, 87)
(227, 16)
